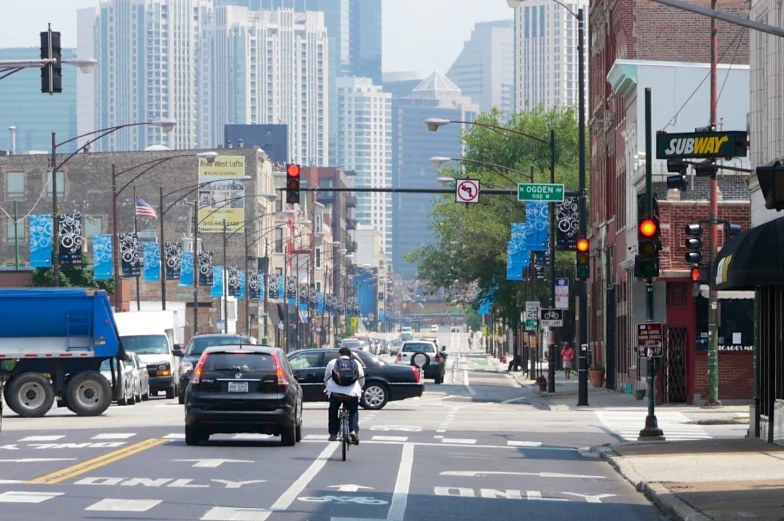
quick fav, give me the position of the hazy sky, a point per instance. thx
(418, 35)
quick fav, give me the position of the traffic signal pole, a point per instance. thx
(651, 430)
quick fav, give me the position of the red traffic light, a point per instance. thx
(695, 274)
(648, 227)
(292, 170)
(583, 245)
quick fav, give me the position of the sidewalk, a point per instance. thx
(718, 479)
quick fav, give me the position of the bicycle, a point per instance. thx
(344, 433)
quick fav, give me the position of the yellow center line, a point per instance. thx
(92, 464)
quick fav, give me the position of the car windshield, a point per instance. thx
(146, 344)
(419, 348)
(240, 362)
(199, 344)
(105, 366)
(352, 343)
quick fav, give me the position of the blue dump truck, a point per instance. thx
(52, 343)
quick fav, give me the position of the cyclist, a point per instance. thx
(344, 378)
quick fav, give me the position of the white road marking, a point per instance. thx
(400, 496)
(322, 437)
(288, 497)
(589, 498)
(448, 444)
(13, 496)
(124, 505)
(513, 443)
(43, 438)
(114, 436)
(212, 463)
(236, 514)
(174, 436)
(349, 488)
(459, 441)
(389, 438)
(34, 460)
(10, 481)
(675, 425)
(467, 385)
(482, 473)
(512, 400)
(251, 437)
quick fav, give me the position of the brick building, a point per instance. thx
(85, 185)
(624, 40)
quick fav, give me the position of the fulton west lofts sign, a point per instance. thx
(221, 194)
(701, 145)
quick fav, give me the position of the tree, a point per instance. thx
(473, 320)
(469, 257)
(70, 277)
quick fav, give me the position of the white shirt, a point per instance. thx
(350, 390)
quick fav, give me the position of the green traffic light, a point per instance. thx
(649, 269)
(583, 272)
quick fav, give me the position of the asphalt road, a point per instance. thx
(458, 453)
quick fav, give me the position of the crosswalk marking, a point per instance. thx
(319, 437)
(458, 441)
(675, 426)
(54, 437)
(175, 436)
(236, 514)
(114, 436)
(389, 438)
(27, 497)
(513, 443)
(124, 505)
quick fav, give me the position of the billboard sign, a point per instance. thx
(223, 197)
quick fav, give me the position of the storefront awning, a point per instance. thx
(753, 258)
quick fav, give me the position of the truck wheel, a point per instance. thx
(88, 394)
(30, 395)
(170, 392)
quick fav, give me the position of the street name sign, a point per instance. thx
(650, 340)
(540, 192)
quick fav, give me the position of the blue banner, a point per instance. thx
(186, 269)
(537, 222)
(242, 285)
(102, 257)
(40, 241)
(304, 310)
(320, 302)
(281, 287)
(217, 282)
(152, 262)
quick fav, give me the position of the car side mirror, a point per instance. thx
(178, 352)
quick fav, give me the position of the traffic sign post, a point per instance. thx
(467, 191)
(540, 192)
(650, 340)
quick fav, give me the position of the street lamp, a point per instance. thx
(166, 124)
(115, 194)
(439, 160)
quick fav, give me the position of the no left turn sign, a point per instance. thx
(467, 191)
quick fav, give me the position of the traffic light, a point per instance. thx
(693, 243)
(51, 75)
(646, 262)
(771, 181)
(292, 184)
(677, 182)
(583, 259)
(699, 275)
(707, 169)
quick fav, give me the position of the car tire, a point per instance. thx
(17, 395)
(194, 436)
(379, 396)
(288, 437)
(146, 396)
(88, 394)
(170, 392)
(438, 379)
(181, 399)
(299, 432)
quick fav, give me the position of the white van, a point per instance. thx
(153, 336)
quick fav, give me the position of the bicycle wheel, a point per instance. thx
(344, 429)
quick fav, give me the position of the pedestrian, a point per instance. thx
(516, 362)
(567, 356)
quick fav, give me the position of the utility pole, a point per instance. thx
(582, 287)
(196, 266)
(16, 237)
(551, 251)
(136, 233)
(713, 304)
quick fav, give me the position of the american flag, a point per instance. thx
(144, 210)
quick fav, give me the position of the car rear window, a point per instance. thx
(199, 344)
(350, 343)
(419, 348)
(242, 362)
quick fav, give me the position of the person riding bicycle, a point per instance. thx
(344, 379)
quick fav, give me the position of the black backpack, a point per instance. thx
(345, 372)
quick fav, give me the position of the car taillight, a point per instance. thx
(400, 356)
(438, 358)
(416, 373)
(196, 377)
(282, 378)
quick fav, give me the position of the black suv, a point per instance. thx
(197, 345)
(243, 388)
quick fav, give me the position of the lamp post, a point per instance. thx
(166, 124)
(116, 193)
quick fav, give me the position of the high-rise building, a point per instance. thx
(413, 145)
(33, 114)
(148, 69)
(484, 70)
(546, 57)
(267, 67)
(364, 119)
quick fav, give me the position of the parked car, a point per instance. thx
(383, 382)
(141, 378)
(353, 343)
(124, 374)
(243, 388)
(2, 384)
(394, 347)
(434, 365)
(195, 348)
(454, 329)
(434, 328)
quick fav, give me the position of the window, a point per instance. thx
(92, 226)
(12, 231)
(306, 360)
(318, 224)
(60, 185)
(15, 188)
(318, 257)
(318, 286)
(278, 240)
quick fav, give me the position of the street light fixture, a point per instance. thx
(445, 181)
(434, 123)
(85, 66)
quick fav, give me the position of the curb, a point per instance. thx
(670, 504)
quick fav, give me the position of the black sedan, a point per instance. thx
(383, 382)
(197, 345)
(243, 388)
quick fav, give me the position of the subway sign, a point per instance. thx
(701, 145)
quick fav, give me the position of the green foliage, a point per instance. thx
(469, 258)
(473, 320)
(70, 277)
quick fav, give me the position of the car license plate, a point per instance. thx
(238, 387)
